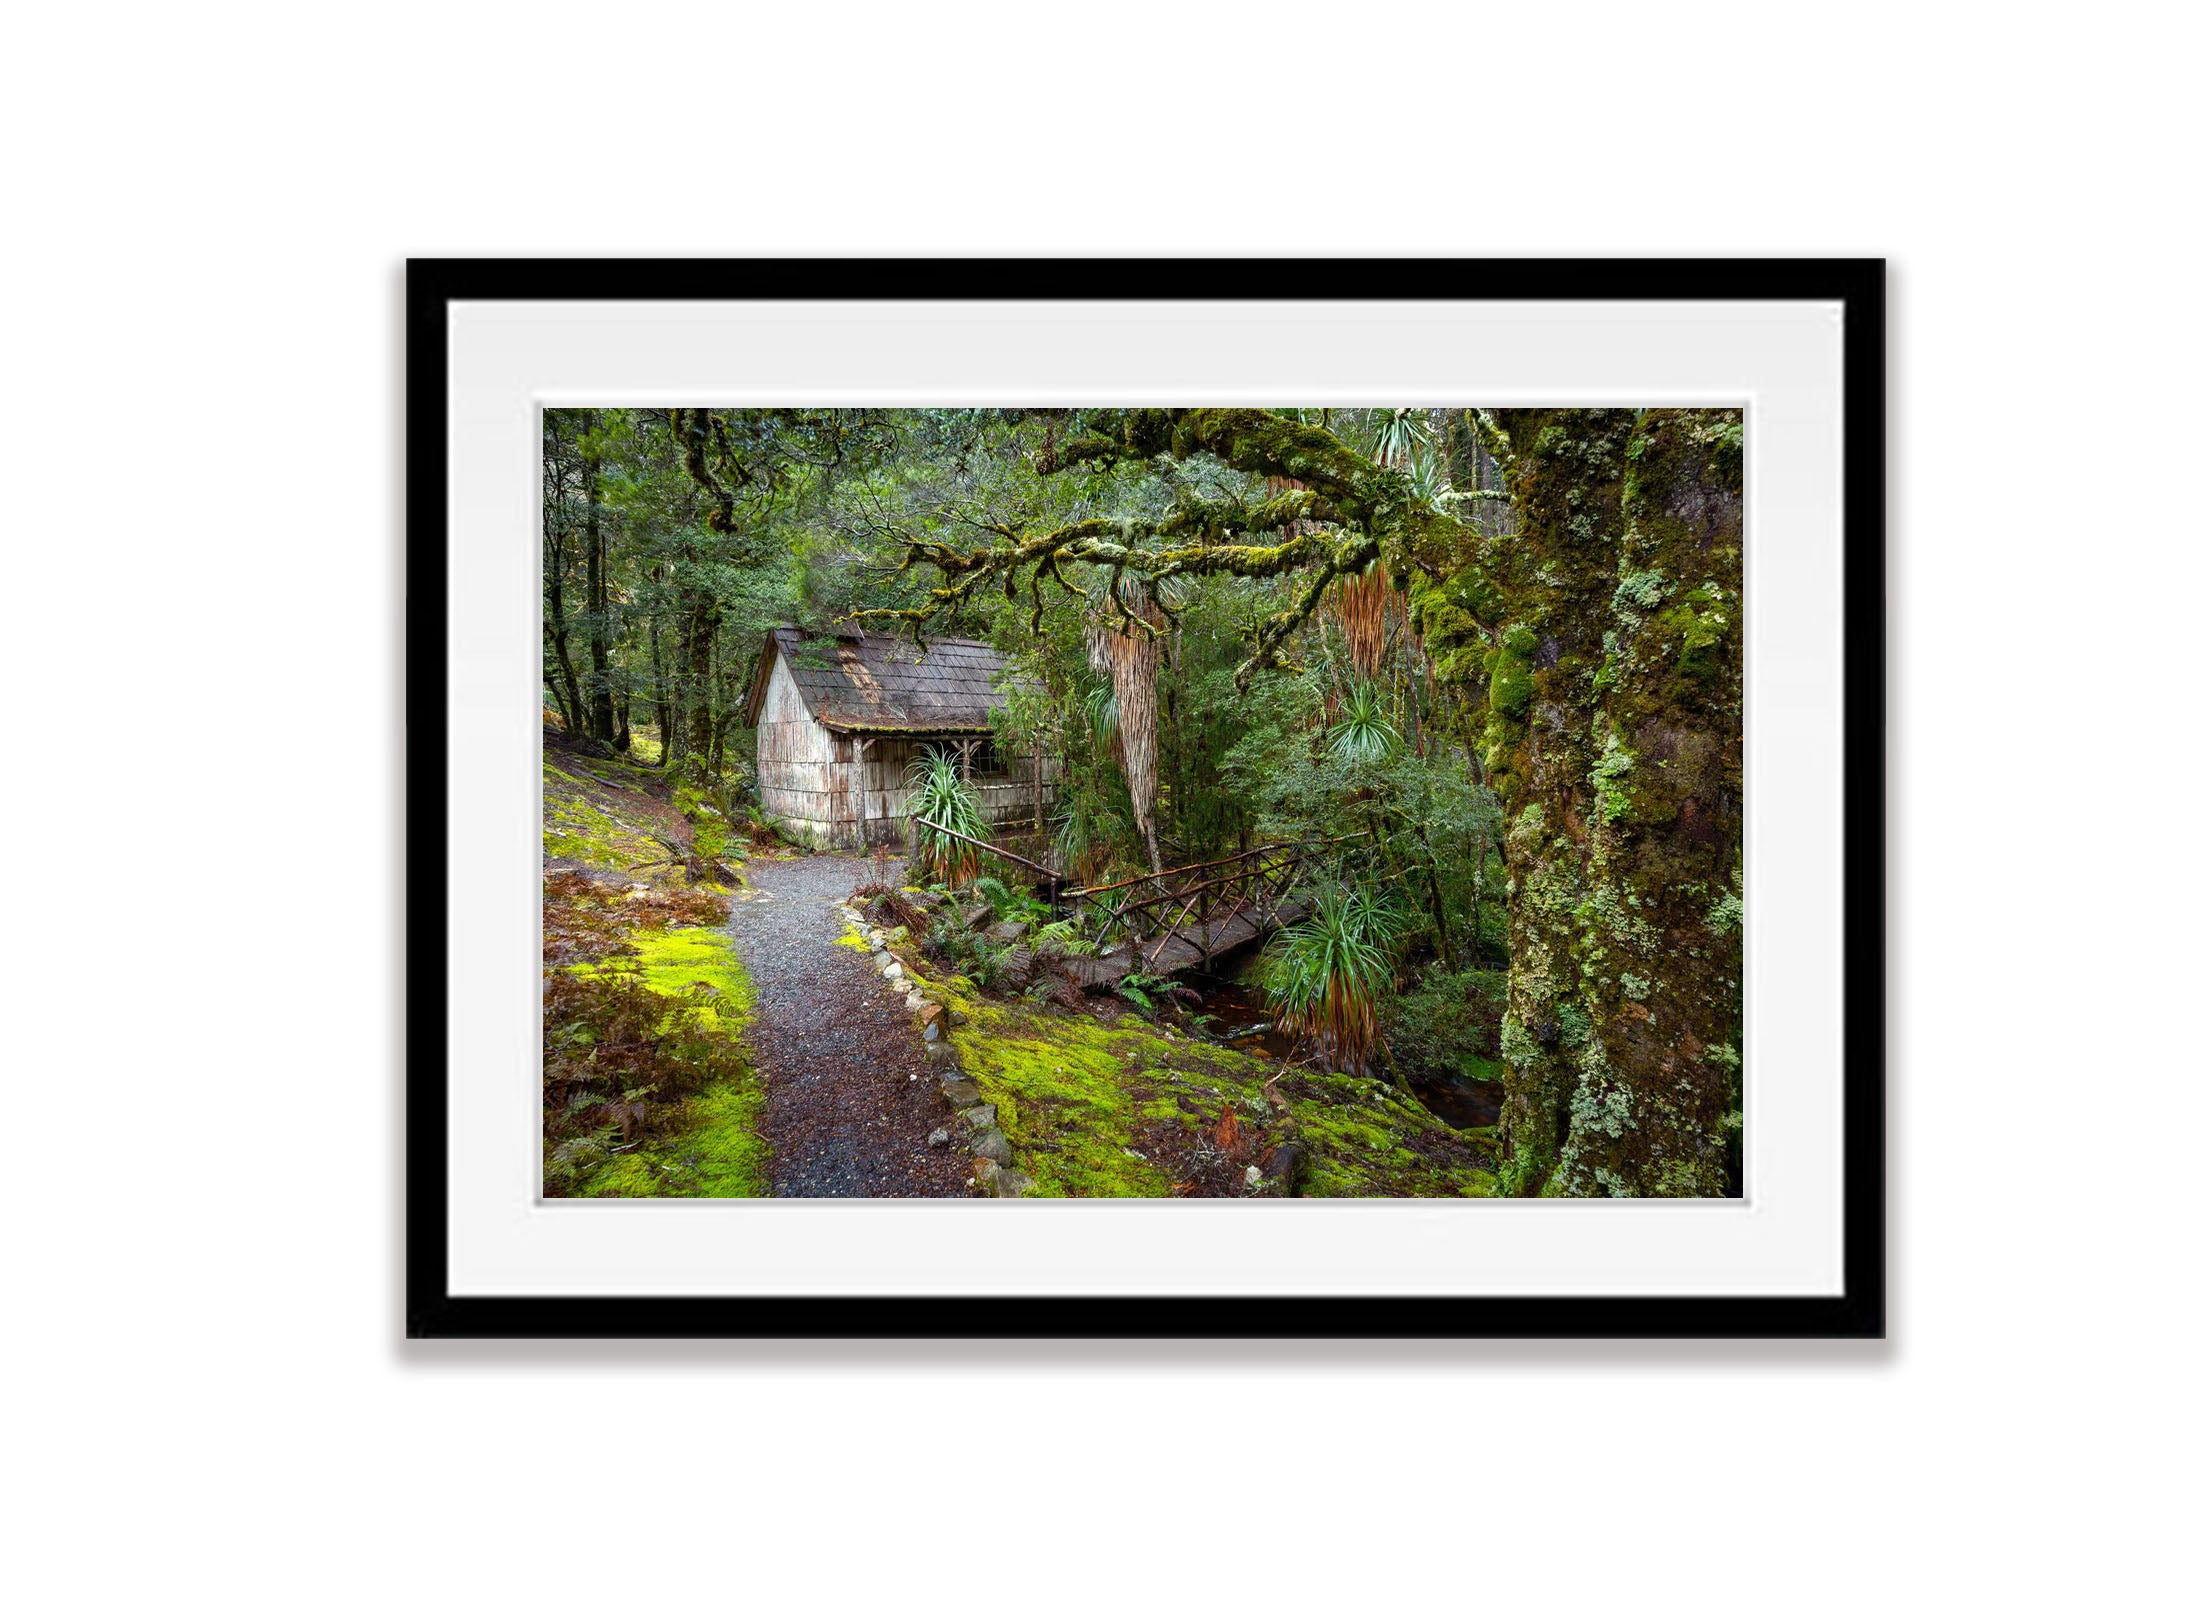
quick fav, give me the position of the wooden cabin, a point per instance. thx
(840, 720)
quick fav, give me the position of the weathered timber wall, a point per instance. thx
(808, 776)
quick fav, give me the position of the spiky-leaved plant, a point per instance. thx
(1362, 731)
(1393, 435)
(939, 794)
(1325, 976)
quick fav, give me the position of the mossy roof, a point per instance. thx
(885, 683)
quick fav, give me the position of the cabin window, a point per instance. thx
(985, 760)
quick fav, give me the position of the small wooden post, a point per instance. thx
(863, 797)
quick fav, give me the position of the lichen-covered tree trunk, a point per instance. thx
(1608, 625)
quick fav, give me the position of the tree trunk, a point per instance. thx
(600, 717)
(557, 693)
(569, 694)
(662, 698)
(701, 633)
(1613, 738)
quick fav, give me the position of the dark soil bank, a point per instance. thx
(848, 1101)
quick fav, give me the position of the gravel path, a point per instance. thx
(848, 1098)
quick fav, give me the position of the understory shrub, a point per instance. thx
(1448, 1023)
(1325, 977)
(938, 794)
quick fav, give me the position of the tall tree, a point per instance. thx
(559, 462)
(600, 718)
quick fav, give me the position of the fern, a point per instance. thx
(1065, 938)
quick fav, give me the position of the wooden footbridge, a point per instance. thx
(1164, 922)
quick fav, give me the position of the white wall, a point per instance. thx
(208, 207)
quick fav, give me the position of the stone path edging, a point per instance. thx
(992, 1170)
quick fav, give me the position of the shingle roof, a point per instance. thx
(884, 684)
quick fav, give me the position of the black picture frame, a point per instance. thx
(1858, 1312)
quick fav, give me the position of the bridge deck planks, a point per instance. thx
(1187, 947)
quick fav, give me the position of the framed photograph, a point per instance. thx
(1145, 798)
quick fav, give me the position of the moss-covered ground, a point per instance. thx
(649, 1089)
(1133, 1108)
(607, 814)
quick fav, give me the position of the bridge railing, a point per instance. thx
(1201, 897)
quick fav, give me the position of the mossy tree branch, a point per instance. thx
(1343, 514)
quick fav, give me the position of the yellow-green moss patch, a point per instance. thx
(673, 960)
(1128, 1109)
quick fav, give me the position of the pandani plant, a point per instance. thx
(1362, 730)
(1326, 976)
(939, 794)
(1393, 435)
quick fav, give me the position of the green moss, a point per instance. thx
(598, 819)
(722, 1152)
(1102, 1109)
(1702, 621)
(716, 1152)
(708, 1144)
(1068, 1096)
(630, 1176)
(673, 960)
(1512, 680)
(853, 940)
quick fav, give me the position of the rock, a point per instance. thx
(931, 1011)
(961, 1093)
(1009, 1184)
(960, 1019)
(901, 985)
(931, 1033)
(892, 969)
(992, 1145)
(980, 1116)
(882, 961)
(935, 1051)
(914, 1000)
(1252, 1175)
(980, 915)
(1285, 1168)
(580, 1154)
(938, 1136)
(985, 1172)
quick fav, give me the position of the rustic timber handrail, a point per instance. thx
(1265, 872)
(1005, 855)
